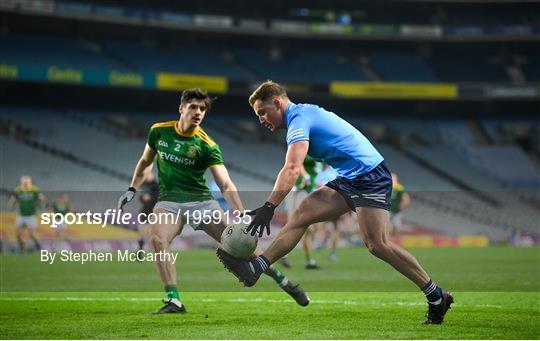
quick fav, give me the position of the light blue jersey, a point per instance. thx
(331, 139)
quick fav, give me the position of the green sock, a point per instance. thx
(172, 291)
(277, 276)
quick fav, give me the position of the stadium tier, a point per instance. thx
(54, 51)
(182, 58)
(247, 63)
(466, 67)
(401, 67)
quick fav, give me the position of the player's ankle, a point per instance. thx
(259, 264)
(432, 292)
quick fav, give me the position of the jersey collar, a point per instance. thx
(195, 131)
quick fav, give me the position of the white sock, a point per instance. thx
(176, 302)
(436, 302)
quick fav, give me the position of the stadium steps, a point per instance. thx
(368, 70)
(486, 136)
(480, 136)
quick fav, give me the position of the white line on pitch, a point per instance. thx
(227, 300)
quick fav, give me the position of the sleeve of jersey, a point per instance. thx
(298, 131)
(152, 138)
(215, 157)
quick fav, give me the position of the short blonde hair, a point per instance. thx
(266, 91)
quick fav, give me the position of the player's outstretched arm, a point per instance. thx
(294, 162)
(227, 187)
(146, 160)
(42, 200)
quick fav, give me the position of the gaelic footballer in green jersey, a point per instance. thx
(183, 152)
(399, 200)
(28, 198)
(304, 185)
(182, 160)
(62, 206)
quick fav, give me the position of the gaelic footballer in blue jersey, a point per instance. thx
(363, 185)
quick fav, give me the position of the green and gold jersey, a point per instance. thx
(397, 193)
(61, 207)
(28, 200)
(312, 167)
(181, 162)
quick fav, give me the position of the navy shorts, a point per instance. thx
(373, 189)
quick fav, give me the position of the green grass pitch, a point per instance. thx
(359, 297)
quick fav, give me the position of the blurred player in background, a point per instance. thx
(304, 185)
(62, 206)
(184, 152)
(322, 234)
(29, 198)
(364, 185)
(148, 199)
(400, 200)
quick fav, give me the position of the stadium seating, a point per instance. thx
(50, 173)
(51, 50)
(246, 63)
(402, 67)
(55, 129)
(508, 163)
(455, 133)
(532, 68)
(448, 159)
(411, 174)
(176, 58)
(467, 68)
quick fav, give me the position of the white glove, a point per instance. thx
(126, 197)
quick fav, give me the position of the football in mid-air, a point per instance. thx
(238, 242)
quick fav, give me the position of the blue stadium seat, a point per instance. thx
(402, 67)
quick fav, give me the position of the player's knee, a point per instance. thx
(376, 247)
(300, 218)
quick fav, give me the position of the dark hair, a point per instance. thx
(189, 95)
(266, 91)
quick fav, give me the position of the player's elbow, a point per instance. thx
(227, 187)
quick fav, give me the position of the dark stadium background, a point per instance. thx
(448, 91)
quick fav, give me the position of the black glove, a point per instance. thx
(126, 197)
(261, 219)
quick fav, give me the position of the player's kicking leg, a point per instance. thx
(374, 226)
(294, 290)
(327, 204)
(161, 236)
(320, 205)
